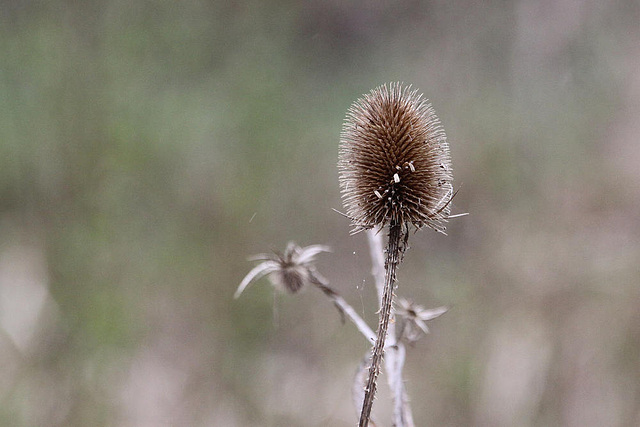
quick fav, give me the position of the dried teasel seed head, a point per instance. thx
(394, 161)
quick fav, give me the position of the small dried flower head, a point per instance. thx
(394, 161)
(413, 318)
(288, 271)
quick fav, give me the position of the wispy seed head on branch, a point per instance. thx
(288, 271)
(394, 161)
(413, 317)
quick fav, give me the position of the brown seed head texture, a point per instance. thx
(394, 161)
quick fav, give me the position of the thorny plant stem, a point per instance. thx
(394, 351)
(393, 255)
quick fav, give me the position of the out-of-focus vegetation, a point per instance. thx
(146, 148)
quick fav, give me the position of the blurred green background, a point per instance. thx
(148, 147)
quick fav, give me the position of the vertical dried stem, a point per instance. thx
(393, 256)
(376, 250)
(394, 355)
(397, 386)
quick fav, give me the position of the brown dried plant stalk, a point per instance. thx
(395, 171)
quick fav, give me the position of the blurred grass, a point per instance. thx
(147, 148)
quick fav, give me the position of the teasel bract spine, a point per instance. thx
(395, 171)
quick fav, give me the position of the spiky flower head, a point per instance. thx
(394, 161)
